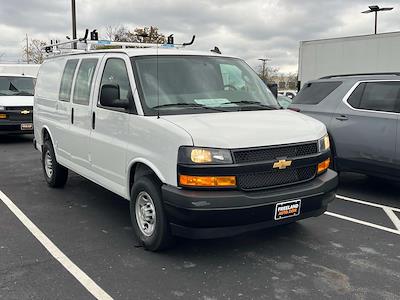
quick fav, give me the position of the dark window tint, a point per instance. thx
(355, 97)
(315, 92)
(115, 73)
(83, 82)
(381, 96)
(66, 80)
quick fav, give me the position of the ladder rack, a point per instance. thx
(54, 48)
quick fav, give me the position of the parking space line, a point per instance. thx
(75, 271)
(392, 216)
(367, 203)
(363, 223)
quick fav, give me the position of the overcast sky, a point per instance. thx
(250, 29)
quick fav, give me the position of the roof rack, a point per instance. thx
(93, 42)
(361, 74)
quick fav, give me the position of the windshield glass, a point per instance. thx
(16, 86)
(199, 84)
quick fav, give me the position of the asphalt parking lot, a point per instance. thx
(352, 252)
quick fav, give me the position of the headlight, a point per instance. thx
(324, 143)
(2, 108)
(195, 155)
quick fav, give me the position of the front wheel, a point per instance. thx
(149, 221)
(55, 174)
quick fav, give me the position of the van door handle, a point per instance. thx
(93, 120)
(72, 116)
(342, 118)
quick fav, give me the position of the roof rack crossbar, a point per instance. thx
(361, 74)
(54, 49)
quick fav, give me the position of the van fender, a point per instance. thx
(45, 127)
(148, 164)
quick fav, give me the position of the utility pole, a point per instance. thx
(375, 9)
(264, 69)
(27, 48)
(73, 8)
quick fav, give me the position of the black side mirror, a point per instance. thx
(110, 96)
(273, 87)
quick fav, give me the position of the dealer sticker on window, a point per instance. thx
(287, 209)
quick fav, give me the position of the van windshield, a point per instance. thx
(16, 86)
(182, 84)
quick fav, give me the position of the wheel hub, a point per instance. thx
(48, 164)
(145, 213)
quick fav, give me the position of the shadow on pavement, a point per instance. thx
(16, 139)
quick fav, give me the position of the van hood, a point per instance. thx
(16, 100)
(249, 128)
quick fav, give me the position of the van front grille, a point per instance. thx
(276, 178)
(274, 152)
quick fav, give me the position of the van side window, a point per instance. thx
(381, 96)
(83, 81)
(115, 73)
(66, 80)
(49, 78)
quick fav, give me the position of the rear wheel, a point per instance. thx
(149, 221)
(55, 174)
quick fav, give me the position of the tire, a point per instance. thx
(55, 174)
(148, 218)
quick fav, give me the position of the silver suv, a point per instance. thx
(361, 112)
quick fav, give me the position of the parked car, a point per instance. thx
(16, 103)
(290, 94)
(284, 101)
(361, 113)
(193, 139)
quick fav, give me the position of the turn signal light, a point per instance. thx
(324, 165)
(207, 181)
(3, 116)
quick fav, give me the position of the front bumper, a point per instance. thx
(14, 127)
(213, 214)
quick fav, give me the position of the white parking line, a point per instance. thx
(75, 271)
(363, 222)
(392, 216)
(367, 203)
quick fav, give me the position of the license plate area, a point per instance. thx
(287, 209)
(27, 126)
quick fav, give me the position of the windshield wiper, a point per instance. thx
(189, 105)
(251, 102)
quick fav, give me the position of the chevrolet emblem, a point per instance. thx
(25, 112)
(282, 164)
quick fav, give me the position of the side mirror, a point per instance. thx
(110, 96)
(273, 87)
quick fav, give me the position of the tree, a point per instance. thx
(270, 73)
(32, 53)
(138, 35)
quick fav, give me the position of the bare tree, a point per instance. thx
(32, 52)
(138, 35)
(270, 73)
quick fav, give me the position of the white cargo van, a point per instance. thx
(194, 140)
(16, 103)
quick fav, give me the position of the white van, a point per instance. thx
(194, 140)
(16, 103)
